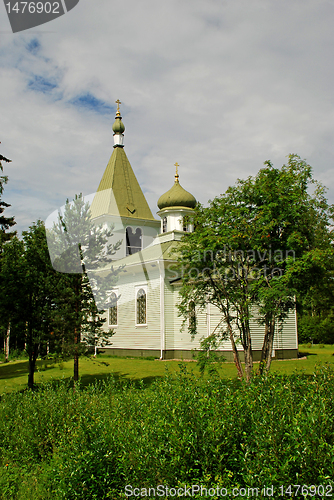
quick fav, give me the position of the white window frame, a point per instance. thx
(165, 225)
(115, 291)
(134, 229)
(137, 288)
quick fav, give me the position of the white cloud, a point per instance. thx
(218, 86)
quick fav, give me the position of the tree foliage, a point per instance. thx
(37, 295)
(79, 250)
(5, 235)
(5, 222)
(54, 304)
(27, 289)
(253, 249)
(10, 288)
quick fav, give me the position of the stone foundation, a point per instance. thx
(183, 354)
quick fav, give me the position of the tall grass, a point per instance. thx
(69, 443)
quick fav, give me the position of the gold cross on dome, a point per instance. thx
(176, 171)
(118, 102)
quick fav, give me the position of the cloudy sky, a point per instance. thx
(219, 86)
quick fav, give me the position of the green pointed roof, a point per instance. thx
(119, 192)
(176, 196)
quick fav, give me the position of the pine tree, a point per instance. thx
(37, 294)
(5, 222)
(78, 249)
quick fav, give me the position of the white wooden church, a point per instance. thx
(144, 314)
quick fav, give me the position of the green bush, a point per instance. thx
(69, 443)
(316, 329)
(14, 354)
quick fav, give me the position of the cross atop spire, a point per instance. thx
(118, 102)
(176, 171)
(118, 127)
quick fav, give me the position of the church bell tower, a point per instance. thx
(119, 201)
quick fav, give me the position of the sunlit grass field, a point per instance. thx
(14, 375)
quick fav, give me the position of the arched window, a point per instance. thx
(141, 307)
(192, 321)
(164, 225)
(113, 310)
(133, 240)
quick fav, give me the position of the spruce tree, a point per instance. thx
(5, 222)
(79, 249)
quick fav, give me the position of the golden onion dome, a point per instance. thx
(176, 196)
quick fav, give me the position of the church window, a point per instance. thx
(164, 225)
(133, 240)
(113, 309)
(192, 321)
(185, 227)
(141, 307)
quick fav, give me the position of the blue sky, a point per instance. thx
(218, 86)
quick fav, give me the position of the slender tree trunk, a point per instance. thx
(32, 366)
(6, 344)
(268, 342)
(248, 352)
(76, 356)
(264, 347)
(76, 338)
(236, 358)
(248, 361)
(225, 308)
(271, 343)
(32, 353)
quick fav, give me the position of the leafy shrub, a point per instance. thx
(316, 329)
(14, 354)
(207, 356)
(17, 354)
(69, 443)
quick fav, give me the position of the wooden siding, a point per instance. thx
(128, 335)
(207, 321)
(171, 313)
(179, 338)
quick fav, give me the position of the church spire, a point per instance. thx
(118, 128)
(119, 193)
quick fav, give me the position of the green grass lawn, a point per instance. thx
(14, 375)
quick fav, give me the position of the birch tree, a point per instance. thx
(253, 248)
